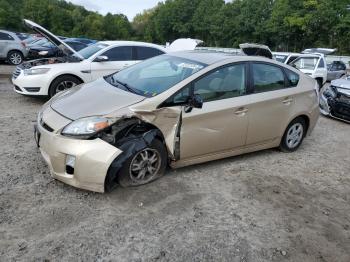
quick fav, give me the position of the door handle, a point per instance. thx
(241, 111)
(287, 101)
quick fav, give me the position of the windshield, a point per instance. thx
(308, 63)
(155, 75)
(91, 50)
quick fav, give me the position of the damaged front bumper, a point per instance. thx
(337, 106)
(92, 158)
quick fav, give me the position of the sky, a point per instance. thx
(127, 7)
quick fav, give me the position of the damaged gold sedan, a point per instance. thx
(173, 110)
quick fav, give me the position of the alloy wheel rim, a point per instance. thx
(295, 135)
(64, 85)
(15, 58)
(144, 166)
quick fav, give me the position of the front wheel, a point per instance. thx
(294, 135)
(62, 83)
(144, 166)
(15, 57)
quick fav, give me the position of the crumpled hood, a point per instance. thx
(93, 99)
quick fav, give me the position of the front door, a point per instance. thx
(118, 58)
(221, 124)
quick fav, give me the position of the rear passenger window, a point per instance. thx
(267, 78)
(4, 36)
(143, 52)
(226, 82)
(120, 53)
(321, 64)
(293, 78)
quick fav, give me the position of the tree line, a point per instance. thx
(284, 25)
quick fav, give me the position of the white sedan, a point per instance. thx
(49, 76)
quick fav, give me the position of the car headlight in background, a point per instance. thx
(329, 92)
(36, 71)
(85, 127)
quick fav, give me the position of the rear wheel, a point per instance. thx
(294, 135)
(15, 57)
(62, 83)
(145, 166)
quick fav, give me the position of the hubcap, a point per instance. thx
(15, 58)
(295, 135)
(64, 85)
(144, 166)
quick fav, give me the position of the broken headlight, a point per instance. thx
(329, 92)
(36, 71)
(88, 126)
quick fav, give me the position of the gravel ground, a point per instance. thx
(264, 206)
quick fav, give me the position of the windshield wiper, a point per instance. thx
(126, 86)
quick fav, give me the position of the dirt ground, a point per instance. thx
(264, 206)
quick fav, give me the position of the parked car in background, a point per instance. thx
(52, 75)
(313, 65)
(335, 100)
(337, 69)
(83, 40)
(285, 58)
(48, 49)
(12, 49)
(179, 109)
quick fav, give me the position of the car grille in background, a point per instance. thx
(16, 73)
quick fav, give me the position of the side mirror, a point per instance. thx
(101, 58)
(194, 102)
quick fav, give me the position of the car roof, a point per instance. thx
(8, 32)
(130, 43)
(212, 57)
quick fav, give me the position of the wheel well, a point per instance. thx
(120, 135)
(307, 121)
(15, 50)
(81, 80)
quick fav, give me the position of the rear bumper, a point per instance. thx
(92, 159)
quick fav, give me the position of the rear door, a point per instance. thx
(118, 58)
(271, 104)
(5, 40)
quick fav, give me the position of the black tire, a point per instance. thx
(285, 145)
(125, 178)
(60, 81)
(15, 57)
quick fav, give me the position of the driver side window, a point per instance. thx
(226, 82)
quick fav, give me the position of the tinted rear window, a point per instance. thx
(293, 78)
(143, 52)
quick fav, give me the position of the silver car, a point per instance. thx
(12, 48)
(336, 70)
